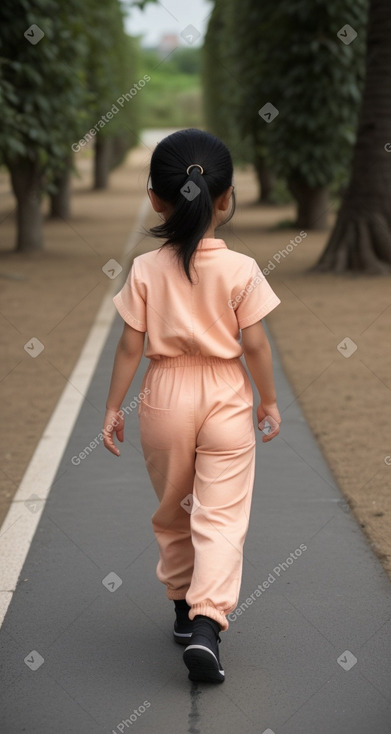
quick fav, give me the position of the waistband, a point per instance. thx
(188, 360)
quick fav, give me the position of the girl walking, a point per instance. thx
(194, 298)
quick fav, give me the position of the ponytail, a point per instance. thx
(190, 194)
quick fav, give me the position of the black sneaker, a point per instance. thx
(202, 655)
(183, 626)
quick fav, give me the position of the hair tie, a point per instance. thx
(194, 165)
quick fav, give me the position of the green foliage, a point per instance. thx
(185, 61)
(217, 74)
(173, 97)
(53, 92)
(113, 69)
(287, 53)
(138, 3)
(316, 83)
(43, 86)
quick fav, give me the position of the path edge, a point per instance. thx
(22, 519)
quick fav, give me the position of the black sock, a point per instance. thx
(182, 610)
(203, 619)
(181, 605)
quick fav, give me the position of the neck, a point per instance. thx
(210, 232)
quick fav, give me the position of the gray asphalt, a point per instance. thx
(308, 654)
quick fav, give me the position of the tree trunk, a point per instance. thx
(26, 180)
(120, 145)
(361, 238)
(60, 202)
(266, 180)
(102, 162)
(312, 205)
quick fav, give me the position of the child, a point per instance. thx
(193, 296)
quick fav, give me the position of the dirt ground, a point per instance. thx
(344, 392)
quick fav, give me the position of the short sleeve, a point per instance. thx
(255, 299)
(130, 302)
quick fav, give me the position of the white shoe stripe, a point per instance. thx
(183, 634)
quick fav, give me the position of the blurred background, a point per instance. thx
(300, 91)
(280, 84)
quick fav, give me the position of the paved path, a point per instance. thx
(308, 653)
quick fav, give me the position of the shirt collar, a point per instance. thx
(211, 243)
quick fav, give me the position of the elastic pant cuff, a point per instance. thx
(207, 609)
(175, 594)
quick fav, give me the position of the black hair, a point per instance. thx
(170, 181)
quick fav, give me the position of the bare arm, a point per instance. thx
(258, 356)
(126, 361)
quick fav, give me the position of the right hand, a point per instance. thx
(113, 424)
(264, 411)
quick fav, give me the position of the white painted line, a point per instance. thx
(22, 519)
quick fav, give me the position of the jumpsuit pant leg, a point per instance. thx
(198, 439)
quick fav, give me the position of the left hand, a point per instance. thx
(114, 423)
(271, 414)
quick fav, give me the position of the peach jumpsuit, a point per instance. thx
(196, 424)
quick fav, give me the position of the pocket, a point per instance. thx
(157, 386)
(151, 393)
(157, 426)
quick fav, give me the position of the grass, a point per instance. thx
(173, 97)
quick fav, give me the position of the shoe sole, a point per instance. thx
(202, 664)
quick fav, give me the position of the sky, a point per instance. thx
(170, 16)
